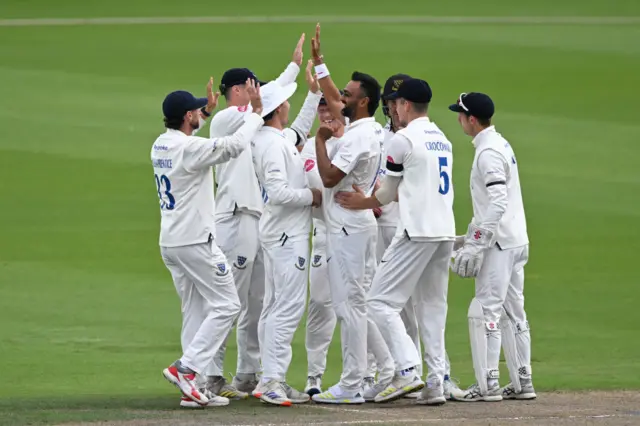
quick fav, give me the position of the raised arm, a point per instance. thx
(301, 126)
(201, 153)
(290, 73)
(330, 90)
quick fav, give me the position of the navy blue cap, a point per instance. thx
(476, 104)
(413, 90)
(392, 85)
(236, 76)
(177, 103)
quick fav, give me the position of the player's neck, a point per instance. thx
(360, 115)
(276, 124)
(235, 102)
(416, 117)
(186, 128)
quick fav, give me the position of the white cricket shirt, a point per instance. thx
(390, 213)
(237, 185)
(495, 190)
(358, 155)
(422, 155)
(308, 155)
(184, 180)
(280, 170)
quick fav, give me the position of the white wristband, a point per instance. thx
(322, 71)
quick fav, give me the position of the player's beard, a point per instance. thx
(349, 111)
(195, 123)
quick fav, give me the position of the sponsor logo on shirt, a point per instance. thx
(243, 108)
(309, 165)
(390, 159)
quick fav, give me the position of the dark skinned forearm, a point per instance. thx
(329, 173)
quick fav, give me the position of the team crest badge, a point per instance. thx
(317, 261)
(241, 262)
(300, 263)
(222, 269)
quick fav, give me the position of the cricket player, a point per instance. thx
(388, 216)
(321, 318)
(284, 236)
(238, 212)
(416, 264)
(351, 235)
(182, 165)
(494, 251)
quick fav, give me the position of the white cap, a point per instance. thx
(273, 95)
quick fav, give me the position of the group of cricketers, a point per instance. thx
(379, 204)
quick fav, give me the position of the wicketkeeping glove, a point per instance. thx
(468, 260)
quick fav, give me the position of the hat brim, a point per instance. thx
(456, 108)
(282, 95)
(391, 96)
(199, 103)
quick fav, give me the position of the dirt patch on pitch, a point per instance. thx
(561, 408)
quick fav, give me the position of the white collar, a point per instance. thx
(360, 121)
(480, 137)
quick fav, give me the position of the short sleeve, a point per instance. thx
(492, 167)
(348, 154)
(397, 151)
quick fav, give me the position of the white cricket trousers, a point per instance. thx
(209, 300)
(237, 236)
(408, 313)
(321, 318)
(351, 266)
(501, 283)
(419, 270)
(284, 302)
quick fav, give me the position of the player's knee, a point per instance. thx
(521, 327)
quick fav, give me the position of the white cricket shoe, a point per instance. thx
(336, 395)
(449, 386)
(413, 395)
(432, 394)
(247, 383)
(372, 389)
(274, 393)
(259, 389)
(294, 395)
(473, 394)
(399, 387)
(527, 392)
(214, 400)
(314, 385)
(218, 386)
(186, 382)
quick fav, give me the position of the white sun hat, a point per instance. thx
(273, 95)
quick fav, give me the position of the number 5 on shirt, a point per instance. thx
(444, 187)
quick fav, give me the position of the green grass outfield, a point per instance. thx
(87, 309)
